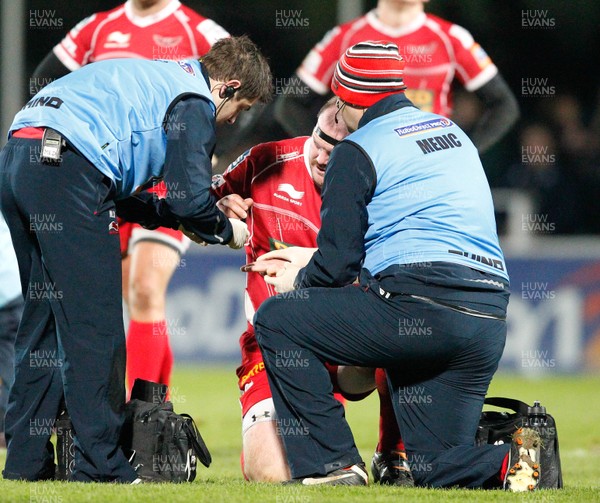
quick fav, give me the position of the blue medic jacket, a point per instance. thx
(138, 121)
(404, 191)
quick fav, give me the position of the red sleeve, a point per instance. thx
(474, 68)
(75, 49)
(238, 177)
(317, 68)
(206, 31)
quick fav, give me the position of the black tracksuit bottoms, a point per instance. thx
(439, 363)
(71, 340)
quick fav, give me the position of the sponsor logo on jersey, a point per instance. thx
(266, 414)
(217, 181)
(186, 67)
(424, 127)
(247, 386)
(285, 157)
(259, 367)
(289, 189)
(166, 41)
(117, 40)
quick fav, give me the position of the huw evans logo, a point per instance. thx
(422, 127)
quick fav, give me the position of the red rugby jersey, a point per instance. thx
(175, 32)
(287, 204)
(436, 51)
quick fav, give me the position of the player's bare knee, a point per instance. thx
(152, 265)
(143, 295)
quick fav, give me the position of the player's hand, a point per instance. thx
(296, 255)
(283, 281)
(240, 234)
(235, 206)
(194, 237)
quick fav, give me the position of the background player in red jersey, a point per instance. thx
(276, 186)
(149, 29)
(436, 52)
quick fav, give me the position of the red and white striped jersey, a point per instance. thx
(436, 51)
(287, 203)
(175, 32)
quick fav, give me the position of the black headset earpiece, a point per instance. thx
(229, 92)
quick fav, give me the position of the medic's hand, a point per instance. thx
(279, 273)
(296, 255)
(265, 267)
(280, 267)
(240, 234)
(283, 280)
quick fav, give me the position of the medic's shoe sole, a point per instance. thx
(524, 461)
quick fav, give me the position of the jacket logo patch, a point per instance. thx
(187, 67)
(424, 127)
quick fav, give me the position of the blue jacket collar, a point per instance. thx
(385, 106)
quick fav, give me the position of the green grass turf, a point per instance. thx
(209, 394)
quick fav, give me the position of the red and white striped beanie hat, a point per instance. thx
(368, 72)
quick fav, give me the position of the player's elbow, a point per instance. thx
(512, 110)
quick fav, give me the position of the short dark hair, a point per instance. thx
(239, 58)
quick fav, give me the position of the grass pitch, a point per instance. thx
(210, 394)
